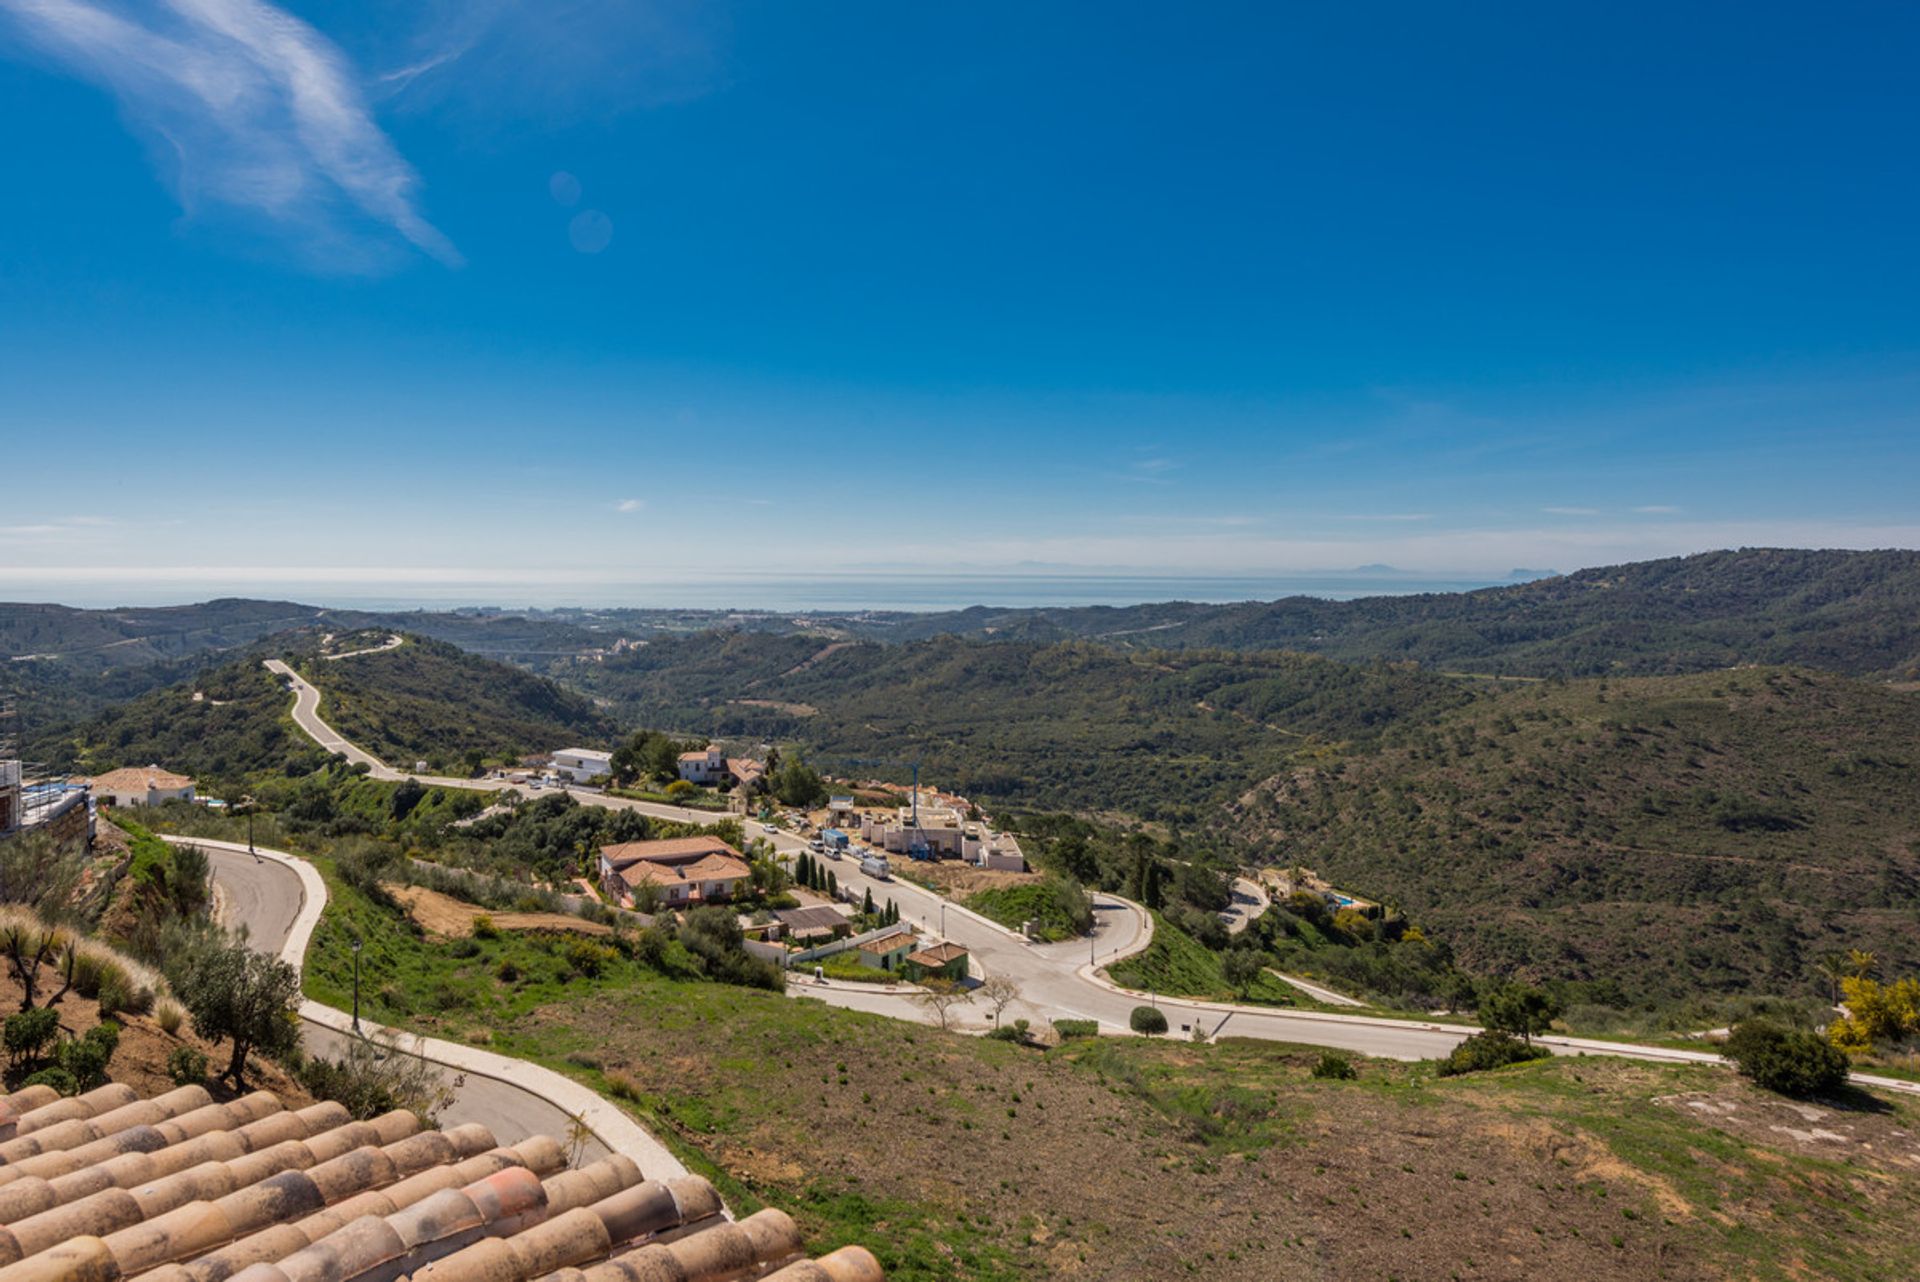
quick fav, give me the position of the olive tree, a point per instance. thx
(246, 997)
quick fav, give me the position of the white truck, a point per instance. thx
(875, 865)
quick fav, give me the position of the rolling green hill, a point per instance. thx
(1851, 612)
(430, 701)
(1073, 725)
(237, 727)
(1714, 832)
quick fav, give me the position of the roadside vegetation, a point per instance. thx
(1177, 965)
(1058, 908)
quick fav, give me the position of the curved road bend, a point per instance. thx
(266, 897)
(1062, 980)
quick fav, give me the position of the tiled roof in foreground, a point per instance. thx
(176, 1188)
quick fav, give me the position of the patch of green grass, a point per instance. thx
(848, 968)
(1057, 909)
(1178, 965)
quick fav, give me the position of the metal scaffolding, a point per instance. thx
(11, 774)
(29, 794)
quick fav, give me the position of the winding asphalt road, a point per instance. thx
(1061, 980)
(265, 897)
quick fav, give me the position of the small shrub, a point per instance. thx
(1491, 1049)
(28, 1034)
(650, 947)
(378, 1074)
(1006, 1033)
(58, 1078)
(187, 1065)
(1072, 1028)
(507, 972)
(170, 1015)
(86, 1058)
(114, 998)
(483, 927)
(1334, 1067)
(1790, 1061)
(620, 1086)
(1148, 1020)
(584, 957)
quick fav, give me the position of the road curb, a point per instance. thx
(610, 1125)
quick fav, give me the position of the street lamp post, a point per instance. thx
(356, 986)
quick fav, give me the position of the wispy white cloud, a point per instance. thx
(629, 505)
(251, 111)
(1571, 511)
(58, 529)
(1656, 509)
(558, 60)
(1153, 469)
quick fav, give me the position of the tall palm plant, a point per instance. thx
(1833, 968)
(1862, 964)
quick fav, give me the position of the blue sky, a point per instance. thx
(547, 301)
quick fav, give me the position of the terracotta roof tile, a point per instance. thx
(179, 1189)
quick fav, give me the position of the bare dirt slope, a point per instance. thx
(446, 917)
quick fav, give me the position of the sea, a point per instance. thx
(833, 593)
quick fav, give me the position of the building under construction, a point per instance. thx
(30, 798)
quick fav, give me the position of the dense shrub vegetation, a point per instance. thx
(1792, 1061)
(1678, 836)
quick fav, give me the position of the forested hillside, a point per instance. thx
(1079, 726)
(1850, 612)
(237, 726)
(430, 701)
(1704, 833)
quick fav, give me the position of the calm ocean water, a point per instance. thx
(836, 592)
(848, 592)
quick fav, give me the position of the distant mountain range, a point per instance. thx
(1852, 612)
(1562, 775)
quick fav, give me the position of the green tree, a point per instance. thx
(245, 997)
(1241, 967)
(1520, 1010)
(1149, 1020)
(798, 784)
